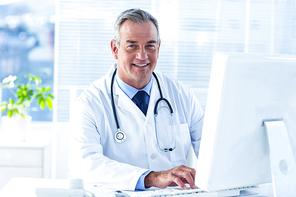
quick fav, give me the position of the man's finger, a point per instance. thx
(187, 175)
(180, 183)
(189, 179)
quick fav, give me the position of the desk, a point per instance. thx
(25, 187)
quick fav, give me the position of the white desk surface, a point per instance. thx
(25, 187)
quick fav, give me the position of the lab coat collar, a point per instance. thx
(124, 102)
(127, 104)
(109, 77)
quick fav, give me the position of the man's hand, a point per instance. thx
(177, 176)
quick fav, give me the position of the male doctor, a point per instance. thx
(143, 151)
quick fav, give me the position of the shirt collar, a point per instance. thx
(130, 91)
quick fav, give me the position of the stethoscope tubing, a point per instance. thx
(112, 101)
(120, 135)
(156, 104)
(161, 97)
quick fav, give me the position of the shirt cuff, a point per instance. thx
(140, 184)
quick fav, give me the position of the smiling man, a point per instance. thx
(136, 53)
(117, 141)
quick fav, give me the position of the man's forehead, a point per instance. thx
(128, 23)
(130, 31)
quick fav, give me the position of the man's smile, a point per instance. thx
(140, 65)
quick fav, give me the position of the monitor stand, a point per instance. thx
(282, 163)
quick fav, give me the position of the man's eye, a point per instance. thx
(131, 46)
(150, 46)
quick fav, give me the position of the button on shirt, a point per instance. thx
(130, 91)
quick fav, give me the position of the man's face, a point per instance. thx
(137, 52)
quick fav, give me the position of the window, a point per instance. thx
(27, 44)
(191, 33)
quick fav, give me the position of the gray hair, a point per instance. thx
(137, 16)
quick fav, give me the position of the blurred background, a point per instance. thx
(27, 44)
(79, 34)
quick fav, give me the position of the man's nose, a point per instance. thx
(142, 54)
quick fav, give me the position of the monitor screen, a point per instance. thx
(244, 90)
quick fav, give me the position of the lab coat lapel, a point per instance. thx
(125, 103)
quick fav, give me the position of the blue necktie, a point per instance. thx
(141, 99)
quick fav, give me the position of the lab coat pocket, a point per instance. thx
(182, 137)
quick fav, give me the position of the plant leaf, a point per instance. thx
(41, 102)
(38, 95)
(22, 99)
(39, 89)
(3, 108)
(9, 113)
(49, 102)
(11, 101)
(4, 103)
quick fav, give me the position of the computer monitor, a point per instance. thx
(244, 90)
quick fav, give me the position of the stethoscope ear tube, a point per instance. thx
(162, 99)
(112, 100)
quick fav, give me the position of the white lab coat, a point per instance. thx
(96, 157)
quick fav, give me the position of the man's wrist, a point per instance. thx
(148, 181)
(140, 184)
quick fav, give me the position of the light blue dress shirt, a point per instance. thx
(130, 91)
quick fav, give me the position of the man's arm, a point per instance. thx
(86, 158)
(177, 176)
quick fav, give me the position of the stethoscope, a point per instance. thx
(120, 136)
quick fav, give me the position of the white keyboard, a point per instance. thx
(192, 192)
(165, 192)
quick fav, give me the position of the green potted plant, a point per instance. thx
(24, 95)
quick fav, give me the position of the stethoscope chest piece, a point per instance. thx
(120, 136)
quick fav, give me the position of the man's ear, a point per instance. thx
(114, 49)
(158, 48)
